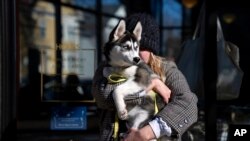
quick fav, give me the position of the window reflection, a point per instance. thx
(36, 31)
(172, 21)
(78, 57)
(89, 4)
(114, 7)
(39, 51)
(172, 10)
(78, 43)
(172, 43)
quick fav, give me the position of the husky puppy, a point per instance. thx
(122, 54)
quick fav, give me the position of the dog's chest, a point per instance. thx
(129, 72)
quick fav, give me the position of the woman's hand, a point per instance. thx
(144, 134)
(158, 86)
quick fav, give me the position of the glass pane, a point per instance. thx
(78, 50)
(37, 32)
(79, 42)
(171, 43)
(114, 7)
(90, 4)
(172, 13)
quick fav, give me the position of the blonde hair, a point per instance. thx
(155, 63)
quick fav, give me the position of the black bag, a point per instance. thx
(230, 74)
(190, 61)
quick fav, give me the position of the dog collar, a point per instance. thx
(116, 78)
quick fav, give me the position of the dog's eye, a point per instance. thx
(126, 47)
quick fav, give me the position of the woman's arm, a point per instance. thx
(181, 111)
(160, 88)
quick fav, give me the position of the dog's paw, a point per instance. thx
(123, 114)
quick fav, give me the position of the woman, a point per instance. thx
(174, 118)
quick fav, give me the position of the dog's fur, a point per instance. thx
(122, 54)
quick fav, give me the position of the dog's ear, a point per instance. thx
(138, 30)
(118, 31)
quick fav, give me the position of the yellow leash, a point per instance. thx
(116, 128)
(153, 96)
(117, 78)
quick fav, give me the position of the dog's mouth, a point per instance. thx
(127, 62)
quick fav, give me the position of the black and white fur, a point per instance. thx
(122, 54)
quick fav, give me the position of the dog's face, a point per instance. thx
(122, 49)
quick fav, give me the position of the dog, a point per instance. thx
(122, 55)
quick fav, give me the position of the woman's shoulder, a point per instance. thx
(99, 70)
(168, 63)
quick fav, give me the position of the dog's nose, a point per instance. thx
(136, 59)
